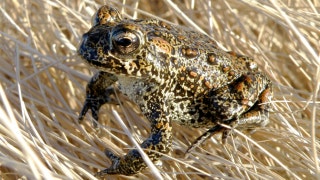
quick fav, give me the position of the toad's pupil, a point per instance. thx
(123, 42)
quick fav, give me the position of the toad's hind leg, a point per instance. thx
(216, 129)
(256, 116)
(250, 120)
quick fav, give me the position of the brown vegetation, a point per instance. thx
(42, 83)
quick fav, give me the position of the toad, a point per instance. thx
(174, 75)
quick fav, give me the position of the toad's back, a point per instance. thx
(194, 59)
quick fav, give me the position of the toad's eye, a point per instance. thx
(125, 41)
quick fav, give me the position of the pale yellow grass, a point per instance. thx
(42, 83)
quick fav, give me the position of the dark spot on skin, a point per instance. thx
(189, 52)
(212, 59)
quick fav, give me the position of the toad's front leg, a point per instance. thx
(158, 143)
(98, 92)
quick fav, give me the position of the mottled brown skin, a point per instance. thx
(174, 75)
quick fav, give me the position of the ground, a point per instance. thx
(43, 80)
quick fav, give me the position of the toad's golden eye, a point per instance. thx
(125, 41)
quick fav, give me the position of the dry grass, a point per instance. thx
(42, 91)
